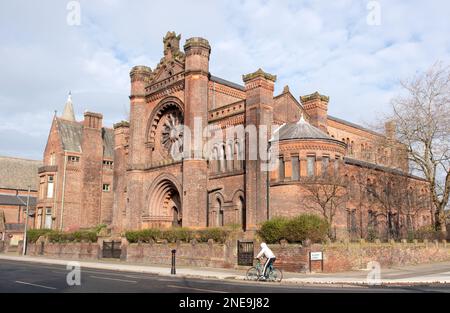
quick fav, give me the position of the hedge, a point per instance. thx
(56, 236)
(297, 229)
(174, 234)
(34, 234)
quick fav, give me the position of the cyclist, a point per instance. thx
(270, 258)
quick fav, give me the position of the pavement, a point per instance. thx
(435, 273)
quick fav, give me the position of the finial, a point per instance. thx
(301, 120)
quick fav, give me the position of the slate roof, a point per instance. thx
(72, 133)
(302, 130)
(18, 173)
(13, 200)
(226, 83)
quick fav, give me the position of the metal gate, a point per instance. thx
(111, 249)
(245, 253)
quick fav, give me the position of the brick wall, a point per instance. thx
(347, 257)
(188, 254)
(76, 251)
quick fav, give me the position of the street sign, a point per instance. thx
(316, 256)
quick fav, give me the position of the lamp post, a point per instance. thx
(24, 251)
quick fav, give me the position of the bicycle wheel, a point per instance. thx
(252, 274)
(275, 275)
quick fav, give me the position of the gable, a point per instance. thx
(286, 109)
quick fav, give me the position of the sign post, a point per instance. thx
(316, 256)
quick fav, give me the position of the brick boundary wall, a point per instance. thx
(188, 254)
(338, 257)
(356, 256)
(75, 251)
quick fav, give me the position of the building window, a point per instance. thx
(48, 218)
(336, 164)
(281, 169)
(106, 187)
(108, 164)
(351, 222)
(221, 220)
(311, 162)
(295, 167)
(325, 164)
(74, 159)
(50, 186)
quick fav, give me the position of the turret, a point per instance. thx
(316, 106)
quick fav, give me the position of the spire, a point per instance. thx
(68, 113)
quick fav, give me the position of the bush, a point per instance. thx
(34, 234)
(306, 226)
(174, 234)
(272, 231)
(297, 229)
(77, 236)
(427, 232)
(217, 234)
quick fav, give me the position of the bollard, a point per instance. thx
(173, 270)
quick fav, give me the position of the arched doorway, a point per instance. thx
(164, 205)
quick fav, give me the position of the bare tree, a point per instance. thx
(326, 195)
(422, 118)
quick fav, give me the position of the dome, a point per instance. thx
(301, 130)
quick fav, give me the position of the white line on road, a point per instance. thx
(190, 288)
(116, 279)
(35, 285)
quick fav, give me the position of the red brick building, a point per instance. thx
(166, 166)
(152, 188)
(17, 176)
(76, 179)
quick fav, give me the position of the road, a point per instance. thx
(26, 277)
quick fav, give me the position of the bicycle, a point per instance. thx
(255, 273)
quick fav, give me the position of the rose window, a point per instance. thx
(172, 134)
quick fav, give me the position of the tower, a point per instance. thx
(259, 87)
(91, 163)
(197, 51)
(316, 105)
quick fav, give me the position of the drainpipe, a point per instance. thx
(63, 192)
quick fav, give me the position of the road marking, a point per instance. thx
(198, 289)
(116, 279)
(35, 285)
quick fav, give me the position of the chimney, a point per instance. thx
(389, 129)
(92, 120)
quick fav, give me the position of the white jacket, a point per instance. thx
(266, 251)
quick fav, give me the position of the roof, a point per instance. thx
(381, 168)
(339, 120)
(108, 142)
(16, 200)
(226, 83)
(72, 133)
(16, 173)
(302, 130)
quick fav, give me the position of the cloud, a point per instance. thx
(311, 45)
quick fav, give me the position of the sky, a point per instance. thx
(354, 51)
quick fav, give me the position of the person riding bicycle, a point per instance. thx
(270, 258)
